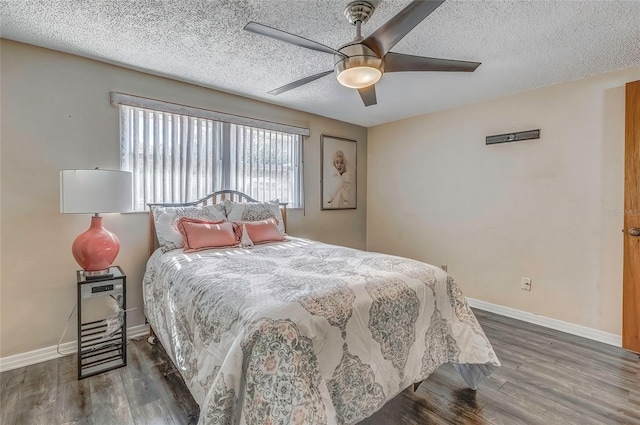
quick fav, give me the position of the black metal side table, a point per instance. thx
(102, 344)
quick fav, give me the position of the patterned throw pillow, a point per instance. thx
(166, 219)
(255, 211)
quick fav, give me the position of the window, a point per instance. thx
(265, 164)
(179, 158)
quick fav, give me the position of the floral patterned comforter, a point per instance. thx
(303, 332)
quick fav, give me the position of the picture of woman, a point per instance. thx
(339, 178)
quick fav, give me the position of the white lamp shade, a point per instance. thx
(95, 191)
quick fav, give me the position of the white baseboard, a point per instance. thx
(49, 353)
(547, 322)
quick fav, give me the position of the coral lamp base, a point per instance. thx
(96, 249)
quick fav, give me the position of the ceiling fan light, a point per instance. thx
(360, 68)
(359, 77)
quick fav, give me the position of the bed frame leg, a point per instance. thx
(416, 385)
(152, 336)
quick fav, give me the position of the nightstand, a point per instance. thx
(102, 342)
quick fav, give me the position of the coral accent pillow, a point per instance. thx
(200, 234)
(261, 231)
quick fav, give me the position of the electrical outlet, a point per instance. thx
(526, 284)
(444, 267)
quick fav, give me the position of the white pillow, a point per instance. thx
(255, 211)
(165, 219)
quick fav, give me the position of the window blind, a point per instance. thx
(179, 158)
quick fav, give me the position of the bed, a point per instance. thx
(302, 332)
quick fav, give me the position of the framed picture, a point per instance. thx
(339, 170)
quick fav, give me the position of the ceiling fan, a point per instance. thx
(360, 63)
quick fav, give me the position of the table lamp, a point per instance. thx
(94, 192)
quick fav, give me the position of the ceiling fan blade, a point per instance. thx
(398, 62)
(299, 83)
(388, 35)
(289, 38)
(368, 95)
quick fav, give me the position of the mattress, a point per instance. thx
(305, 332)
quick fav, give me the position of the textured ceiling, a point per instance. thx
(521, 44)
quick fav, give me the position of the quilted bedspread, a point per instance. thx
(302, 332)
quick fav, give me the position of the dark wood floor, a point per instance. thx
(547, 378)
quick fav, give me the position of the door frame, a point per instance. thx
(631, 267)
